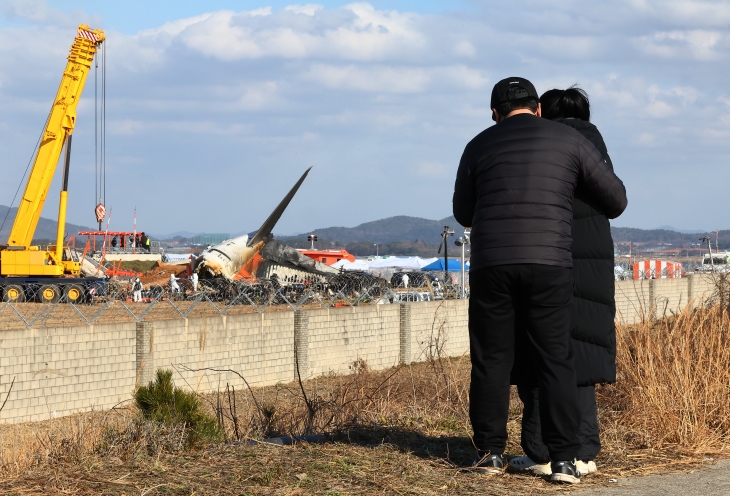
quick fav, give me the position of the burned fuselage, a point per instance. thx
(226, 259)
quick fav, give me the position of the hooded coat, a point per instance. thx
(593, 330)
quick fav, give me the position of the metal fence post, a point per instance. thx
(145, 353)
(405, 333)
(652, 300)
(301, 345)
(690, 294)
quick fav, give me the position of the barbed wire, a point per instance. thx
(59, 303)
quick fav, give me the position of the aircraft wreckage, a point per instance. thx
(261, 266)
(226, 260)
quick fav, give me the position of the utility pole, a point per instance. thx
(709, 247)
(445, 246)
(463, 241)
(134, 237)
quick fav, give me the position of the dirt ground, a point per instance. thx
(402, 431)
(377, 461)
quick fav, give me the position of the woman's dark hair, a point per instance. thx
(572, 102)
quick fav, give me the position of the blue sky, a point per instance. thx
(215, 108)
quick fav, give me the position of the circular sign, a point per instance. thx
(100, 212)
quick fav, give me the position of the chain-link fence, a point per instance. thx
(624, 271)
(665, 273)
(59, 303)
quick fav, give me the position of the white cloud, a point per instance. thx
(38, 11)
(647, 139)
(699, 44)
(365, 34)
(666, 103)
(465, 49)
(372, 78)
(433, 169)
(258, 95)
(130, 127)
(307, 9)
(263, 11)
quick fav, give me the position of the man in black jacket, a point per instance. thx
(515, 188)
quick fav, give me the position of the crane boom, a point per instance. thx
(19, 258)
(60, 125)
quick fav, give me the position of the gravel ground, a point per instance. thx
(710, 481)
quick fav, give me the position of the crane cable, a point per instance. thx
(22, 180)
(100, 129)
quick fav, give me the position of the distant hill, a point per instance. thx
(178, 234)
(683, 231)
(664, 236)
(390, 230)
(400, 235)
(46, 227)
(404, 235)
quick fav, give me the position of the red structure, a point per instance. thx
(122, 240)
(328, 257)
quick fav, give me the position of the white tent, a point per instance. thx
(401, 263)
(426, 261)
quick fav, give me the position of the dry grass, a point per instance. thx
(673, 381)
(400, 431)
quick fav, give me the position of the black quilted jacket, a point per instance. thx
(593, 331)
(515, 188)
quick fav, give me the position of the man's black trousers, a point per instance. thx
(543, 296)
(588, 433)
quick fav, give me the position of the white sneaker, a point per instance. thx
(525, 464)
(586, 467)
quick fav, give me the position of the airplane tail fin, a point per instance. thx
(269, 223)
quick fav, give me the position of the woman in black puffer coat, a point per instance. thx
(593, 332)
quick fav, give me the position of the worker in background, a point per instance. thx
(137, 291)
(174, 288)
(146, 242)
(194, 279)
(114, 242)
(405, 281)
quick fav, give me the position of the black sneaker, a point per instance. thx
(487, 463)
(565, 472)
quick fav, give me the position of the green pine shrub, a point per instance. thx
(160, 401)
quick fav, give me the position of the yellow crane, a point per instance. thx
(26, 269)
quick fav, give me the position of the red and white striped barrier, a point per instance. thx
(657, 269)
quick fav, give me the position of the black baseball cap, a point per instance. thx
(525, 89)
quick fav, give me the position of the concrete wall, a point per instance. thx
(59, 371)
(340, 336)
(659, 297)
(439, 328)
